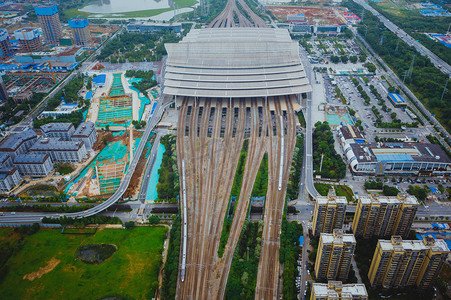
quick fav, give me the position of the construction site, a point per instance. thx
(116, 108)
(313, 15)
(21, 85)
(214, 121)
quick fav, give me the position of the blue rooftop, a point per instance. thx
(45, 10)
(301, 240)
(88, 95)
(396, 98)
(394, 158)
(99, 79)
(78, 23)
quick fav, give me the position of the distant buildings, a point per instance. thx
(397, 158)
(64, 131)
(59, 55)
(336, 290)
(383, 216)
(49, 20)
(400, 264)
(329, 213)
(335, 252)
(80, 31)
(144, 27)
(298, 23)
(34, 165)
(29, 39)
(3, 90)
(5, 44)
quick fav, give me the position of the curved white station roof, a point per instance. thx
(235, 62)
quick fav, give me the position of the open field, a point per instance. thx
(132, 271)
(71, 13)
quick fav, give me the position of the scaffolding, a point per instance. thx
(117, 106)
(110, 175)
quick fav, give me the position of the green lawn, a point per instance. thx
(132, 271)
(71, 13)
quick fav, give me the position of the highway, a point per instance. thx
(30, 218)
(437, 61)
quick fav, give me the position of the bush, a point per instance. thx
(129, 225)
(154, 220)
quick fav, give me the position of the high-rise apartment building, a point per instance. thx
(80, 31)
(50, 23)
(329, 213)
(336, 290)
(383, 216)
(334, 256)
(5, 44)
(399, 264)
(29, 39)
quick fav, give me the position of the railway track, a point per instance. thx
(269, 267)
(227, 17)
(210, 164)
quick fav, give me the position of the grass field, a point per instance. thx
(71, 13)
(132, 271)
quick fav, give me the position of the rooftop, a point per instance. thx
(99, 79)
(235, 62)
(56, 127)
(5, 172)
(396, 98)
(84, 129)
(337, 238)
(45, 10)
(351, 132)
(31, 158)
(13, 141)
(398, 244)
(335, 288)
(55, 144)
(379, 199)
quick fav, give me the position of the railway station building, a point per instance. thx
(235, 63)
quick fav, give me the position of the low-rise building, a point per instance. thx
(397, 100)
(64, 131)
(62, 110)
(18, 143)
(336, 290)
(99, 81)
(5, 160)
(60, 151)
(397, 158)
(350, 134)
(35, 165)
(86, 132)
(9, 178)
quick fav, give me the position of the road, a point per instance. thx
(437, 61)
(149, 168)
(152, 122)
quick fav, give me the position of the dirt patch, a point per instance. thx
(51, 264)
(95, 253)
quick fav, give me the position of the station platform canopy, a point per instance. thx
(235, 62)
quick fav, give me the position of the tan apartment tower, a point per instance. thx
(29, 39)
(5, 44)
(334, 256)
(329, 213)
(336, 290)
(80, 31)
(383, 216)
(50, 23)
(399, 264)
